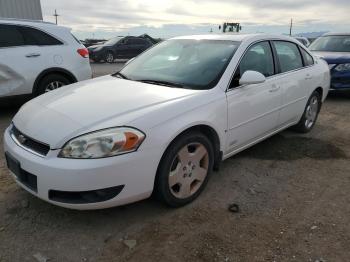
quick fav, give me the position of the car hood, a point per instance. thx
(334, 57)
(104, 102)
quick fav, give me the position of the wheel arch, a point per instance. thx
(320, 91)
(53, 70)
(206, 130)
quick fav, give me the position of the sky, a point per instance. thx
(168, 18)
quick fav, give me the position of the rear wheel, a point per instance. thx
(51, 82)
(309, 118)
(109, 57)
(184, 169)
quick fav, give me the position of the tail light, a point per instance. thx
(83, 52)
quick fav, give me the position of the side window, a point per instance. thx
(36, 37)
(258, 58)
(131, 41)
(10, 36)
(140, 41)
(288, 55)
(308, 60)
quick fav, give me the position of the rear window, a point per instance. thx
(33, 36)
(288, 55)
(14, 35)
(10, 36)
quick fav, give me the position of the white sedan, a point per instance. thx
(165, 121)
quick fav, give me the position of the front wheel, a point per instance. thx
(310, 115)
(184, 169)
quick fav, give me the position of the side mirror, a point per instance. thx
(251, 78)
(127, 62)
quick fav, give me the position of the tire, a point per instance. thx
(109, 58)
(51, 82)
(310, 115)
(178, 184)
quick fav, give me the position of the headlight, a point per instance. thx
(342, 67)
(103, 143)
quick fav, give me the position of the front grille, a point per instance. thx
(29, 143)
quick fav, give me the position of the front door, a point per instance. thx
(253, 110)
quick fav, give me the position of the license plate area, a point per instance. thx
(26, 178)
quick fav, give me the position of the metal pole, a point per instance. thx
(291, 26)
(56, 15)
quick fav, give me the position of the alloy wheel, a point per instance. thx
(53, 85)
(311, 112)
(109, 58)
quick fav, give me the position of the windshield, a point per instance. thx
(113, 41)
(336, 43)
(195, 64)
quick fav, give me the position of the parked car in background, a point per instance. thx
(120, 47)
(164, 121)
(335, 49)
(303, 40)
(37, 57)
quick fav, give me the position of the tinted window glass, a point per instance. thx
(132, 41)
(258, 58)
(308, 60)
(10, 36)
(140, 41)
(288, 55)
(35, 37)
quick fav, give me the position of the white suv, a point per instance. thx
(37, 57)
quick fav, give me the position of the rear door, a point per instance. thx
(253, 109)
(293, 80)
(25, 52)
(136, 46)
(16, 70)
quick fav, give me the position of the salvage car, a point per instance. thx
(335, 49)
(165, 121)
(37, 57)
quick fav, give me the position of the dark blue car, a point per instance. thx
(335, 49)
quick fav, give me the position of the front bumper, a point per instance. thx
(340, 80)
(134, 173)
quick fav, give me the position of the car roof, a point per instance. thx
(336, 34)
(238, 37)
(33, 23)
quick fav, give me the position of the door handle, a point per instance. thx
(33, 55)
(274, 88)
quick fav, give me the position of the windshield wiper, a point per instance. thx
(162, 83)
(120, 75)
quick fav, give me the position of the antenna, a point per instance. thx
(291, 27)
(56, 15)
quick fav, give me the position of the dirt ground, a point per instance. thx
(293, 192)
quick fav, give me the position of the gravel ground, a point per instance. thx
(293, 197)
